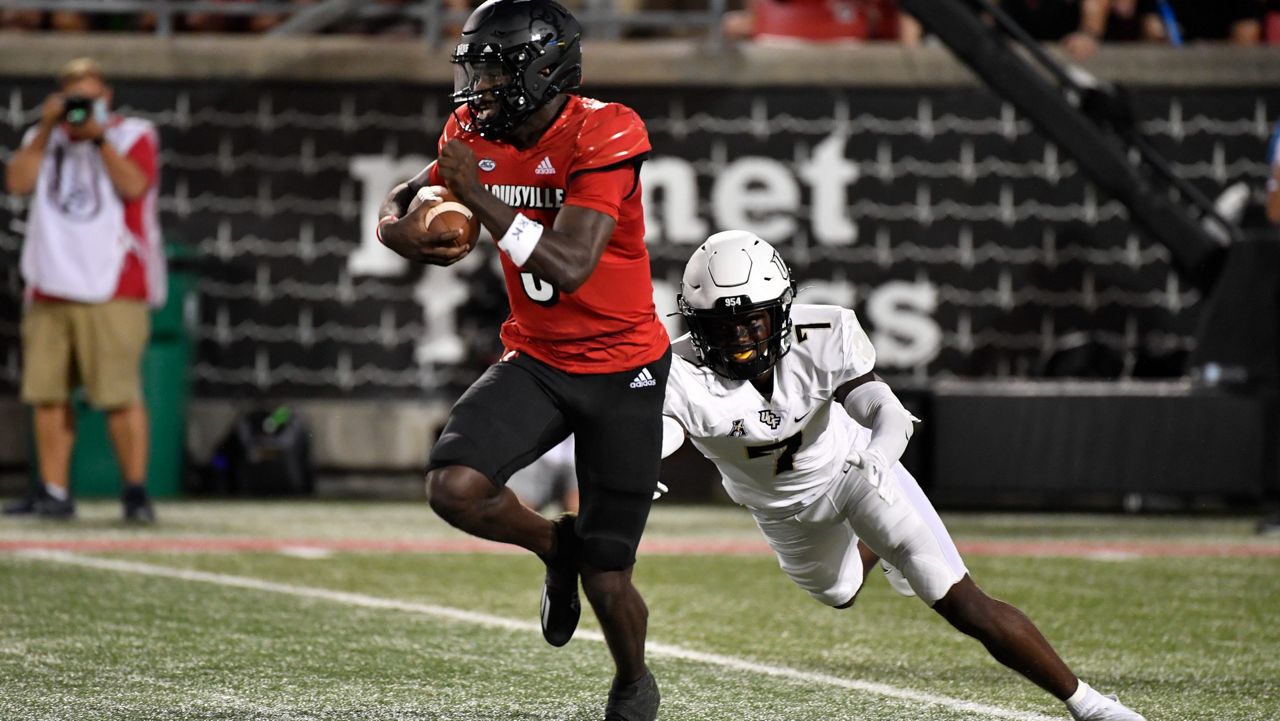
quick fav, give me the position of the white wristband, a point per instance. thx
(520, 239)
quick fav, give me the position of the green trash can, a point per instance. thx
(165, 364)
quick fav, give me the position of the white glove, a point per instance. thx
(874, 469)
(662, 488)
(426, 194)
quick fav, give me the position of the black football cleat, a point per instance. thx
(42, 505)
(39, 503)
(636, 701)
(25, 506)
(137, 506)
(53, 509)
(561, 607)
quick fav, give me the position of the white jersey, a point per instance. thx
(777, 454)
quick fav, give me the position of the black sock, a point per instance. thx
(134, 493)
(550, 556)
(563, 541)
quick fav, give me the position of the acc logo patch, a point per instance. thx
(487, 164)
(771, 419)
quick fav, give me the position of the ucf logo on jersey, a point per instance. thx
(771, 419)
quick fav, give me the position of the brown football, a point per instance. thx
(445, 213)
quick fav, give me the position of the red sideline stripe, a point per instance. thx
(1144, 549)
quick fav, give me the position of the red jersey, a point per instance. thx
(588, 157)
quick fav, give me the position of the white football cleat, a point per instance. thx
(896, 580)
(1109, 708)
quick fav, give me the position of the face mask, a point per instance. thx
(100, 112)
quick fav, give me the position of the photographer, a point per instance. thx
(92, 261)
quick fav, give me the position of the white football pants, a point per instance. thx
(818, 547)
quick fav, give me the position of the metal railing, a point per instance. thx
(602, 19)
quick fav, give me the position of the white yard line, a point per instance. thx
(483, 619)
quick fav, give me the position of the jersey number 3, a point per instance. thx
(539, 290)
(786, 459)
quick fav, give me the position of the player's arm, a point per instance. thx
(397, 202)
(406, 233)
(580, 236)
(673, 435)
(871, 402)
(563, 255)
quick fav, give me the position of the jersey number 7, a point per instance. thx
(786, 459)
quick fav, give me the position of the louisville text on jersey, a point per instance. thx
(528, 196)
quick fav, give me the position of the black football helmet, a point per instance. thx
(514, 56)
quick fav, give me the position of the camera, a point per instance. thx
(77, 109)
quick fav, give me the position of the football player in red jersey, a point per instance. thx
(555, 178)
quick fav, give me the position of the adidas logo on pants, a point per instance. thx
(644, 379)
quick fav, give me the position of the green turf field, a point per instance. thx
(267, 613)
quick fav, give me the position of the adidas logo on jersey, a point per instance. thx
(644, 379)
(545, 167)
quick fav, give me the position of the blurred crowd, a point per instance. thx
(394, 17)
(1079, 25)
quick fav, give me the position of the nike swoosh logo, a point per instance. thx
(800, 418)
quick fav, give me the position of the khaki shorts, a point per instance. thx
(99, 345)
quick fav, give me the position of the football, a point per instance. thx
(445, 213)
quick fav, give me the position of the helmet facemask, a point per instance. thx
(723, 347)
(509, 66)
(492, 91)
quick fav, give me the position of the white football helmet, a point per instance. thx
(733, 274)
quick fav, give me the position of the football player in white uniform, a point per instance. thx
(785, 402)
